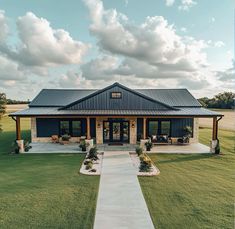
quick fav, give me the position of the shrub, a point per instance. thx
(148, 145)
(27, 147)
(138, 150)
(16, 148)
(89, 165)
(86, 162)
(83, 145)
(93, 154)
(65, 137)
(145, 164)
(93, 170)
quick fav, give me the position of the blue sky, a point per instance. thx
(191, 45)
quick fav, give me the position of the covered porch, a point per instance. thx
(47, 147)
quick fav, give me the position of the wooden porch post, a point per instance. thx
(215, 129)
(144, 128)
(88, 128)
(18, 134)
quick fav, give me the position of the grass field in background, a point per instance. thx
(193, 191)
(43, 191)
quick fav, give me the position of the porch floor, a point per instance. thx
(184, 149)
(41, 147)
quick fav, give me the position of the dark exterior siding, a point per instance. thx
(50, 126)
(93, 127)
(129, 101)
(139, 128)
(47, 127)
(177, 125)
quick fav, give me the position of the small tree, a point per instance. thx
(2, 106)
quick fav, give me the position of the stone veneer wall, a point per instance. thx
(99, 130)
(195, 131)
(34, 137)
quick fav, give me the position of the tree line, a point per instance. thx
(225, 100)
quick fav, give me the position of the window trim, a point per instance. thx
(70, 126)
(115, 92)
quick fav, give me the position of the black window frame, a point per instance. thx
(115, 97)
(70, 127)
(159, 130)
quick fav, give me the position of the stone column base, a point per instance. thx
(213, 144)
(21, 145)
(142, 142)
(90, 143)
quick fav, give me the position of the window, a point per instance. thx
(71, 127)
(153, 128)
(116, 95)
(64, 127)
(76, 128)
(166, 127)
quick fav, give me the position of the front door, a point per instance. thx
(116, 131)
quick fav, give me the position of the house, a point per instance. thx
(115, 114)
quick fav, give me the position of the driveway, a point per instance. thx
(120, 200)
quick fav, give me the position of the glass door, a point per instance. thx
(106, 132)
(116, 131)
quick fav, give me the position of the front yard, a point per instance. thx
(193, 191)
(43, 191)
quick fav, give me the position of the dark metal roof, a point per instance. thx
(64, 97)
(54, 111)
(172, 97)
(59, 97)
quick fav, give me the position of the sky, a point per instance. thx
(94, 43)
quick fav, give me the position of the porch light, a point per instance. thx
(98, 124)
(133, 125)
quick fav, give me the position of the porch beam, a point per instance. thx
(88, 128)
(18, 131)
(144, 128)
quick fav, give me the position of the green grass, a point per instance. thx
(43, 191)
(193, 191)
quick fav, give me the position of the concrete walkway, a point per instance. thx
(120, 200)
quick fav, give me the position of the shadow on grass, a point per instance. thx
(8, 137)
(183, 158)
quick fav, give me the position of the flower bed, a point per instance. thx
(90, 166)
(136, 163)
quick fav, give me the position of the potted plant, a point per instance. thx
(83, 145)
(148, 145)
(65, 138)
(188, 131)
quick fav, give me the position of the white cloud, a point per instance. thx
(183, 29)
(3, 26)
(169, 2)
(212, 19)
(151, 50)
(9, 70)
(42, 46)
(186, 5)
(219, 44)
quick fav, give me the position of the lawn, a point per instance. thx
(193, 191)
(43, 191)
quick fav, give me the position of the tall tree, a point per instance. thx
(2, 106)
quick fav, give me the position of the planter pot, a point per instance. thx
(83, 149)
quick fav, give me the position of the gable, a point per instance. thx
(130, 100)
